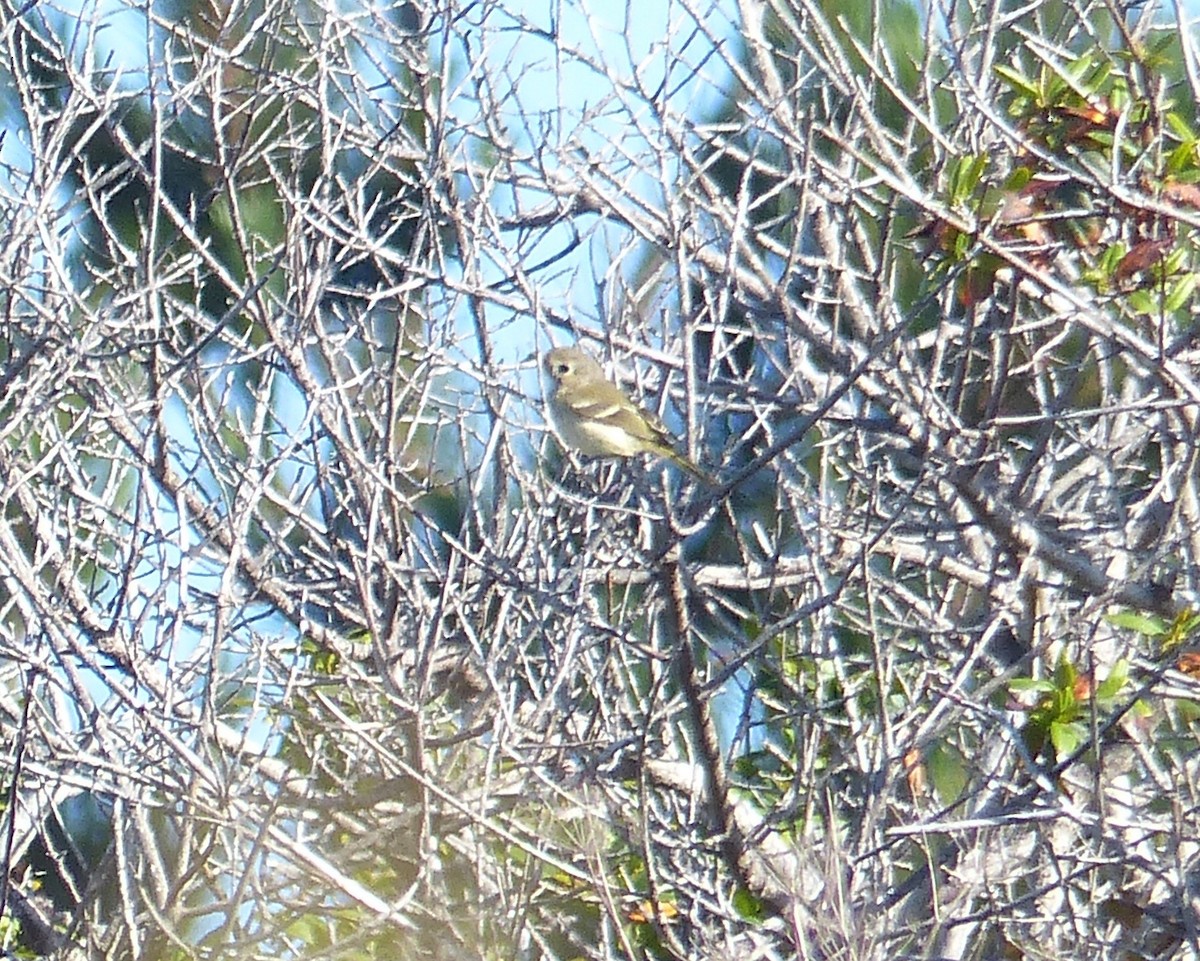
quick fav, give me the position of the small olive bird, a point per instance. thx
(593, 416)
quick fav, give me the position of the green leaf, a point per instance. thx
(1143, 302)
(1065, 674)
(1111, 257)
(1112, 685)
(1180, 127)
(1019, 82)
(1118, 96)
(748, 907)
(948, 772)
(1100, 78)
(1182, 158)
(1078, 68)
(1149, 625)
(1066, 738)
(1180, 630)
(1016, 181)
(1031, 684)
(1103, 138)
(1180, 293)
(965, 178)
(1173, 262)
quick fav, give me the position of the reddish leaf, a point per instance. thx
(1143, 256)
(1186, 195)
(914, 767)
(1189, 664)
(1093, 114)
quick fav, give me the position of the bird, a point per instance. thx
(594, 417)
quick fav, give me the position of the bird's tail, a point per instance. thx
(686, 464)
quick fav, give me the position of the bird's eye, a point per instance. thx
(562, 368)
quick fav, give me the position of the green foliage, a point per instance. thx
(10, 937)
(1167, 636)
(1098, 108)
(948, 771)
(748, 907)
(1056, 726)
